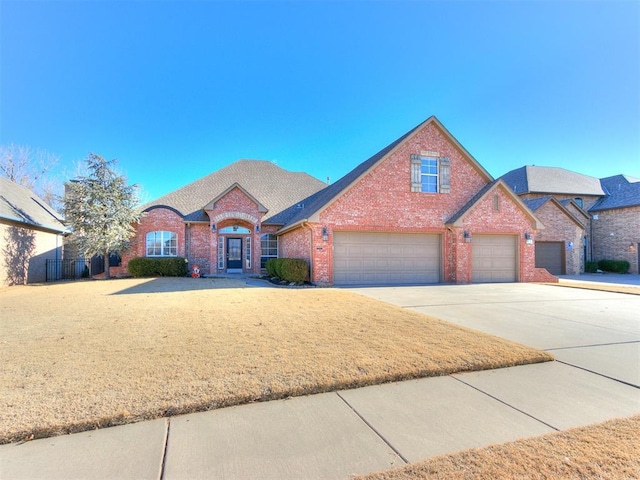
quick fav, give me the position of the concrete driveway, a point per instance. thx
(593, 330)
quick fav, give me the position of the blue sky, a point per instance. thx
(177, 90)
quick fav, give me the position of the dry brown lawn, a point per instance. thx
(629, 289)
(89, 354)
(609, 450)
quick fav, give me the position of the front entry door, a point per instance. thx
(234, 254)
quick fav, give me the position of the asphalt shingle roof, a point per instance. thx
(535, 203)
(21, 205)
(275, 188)
(533, 179)
(621, 190)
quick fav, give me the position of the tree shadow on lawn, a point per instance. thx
(180, 284)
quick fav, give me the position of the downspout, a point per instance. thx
(306, 225)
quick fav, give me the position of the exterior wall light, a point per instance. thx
(235, 227)
(467, 237)
(528, 238)
(632, 247)
(213, 227)
(325, 234)
(257, 228)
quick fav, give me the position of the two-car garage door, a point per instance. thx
(376, 258)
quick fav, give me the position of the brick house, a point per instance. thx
(607, 211)
(615, 221)
(421, 210)
(31, 233)
(559, 247)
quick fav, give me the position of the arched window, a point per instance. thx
(234, 229)
(162, 244)
(269, 248)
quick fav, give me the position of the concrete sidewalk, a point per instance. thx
(594, 335)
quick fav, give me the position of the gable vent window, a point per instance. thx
(430, 173)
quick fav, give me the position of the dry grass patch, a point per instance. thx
(98, 353)
(606, 450)
(603, 287)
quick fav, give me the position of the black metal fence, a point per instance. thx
(73, 269)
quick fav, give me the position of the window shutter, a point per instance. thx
(416, 185)
(445, 175)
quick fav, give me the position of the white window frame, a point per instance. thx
(428, 162)
(247, 253)
(221, 253)
(161, 237)
(268, 248)
(442, 174)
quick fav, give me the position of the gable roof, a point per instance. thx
(621, 190)
(19, 204)
(533, 179)
(456, 219)
(272, 187)
(315, 204)
(569, 202)
(537, 203)
(261, 208)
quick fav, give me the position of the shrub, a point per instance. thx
(270, 266)
(277, 267)
(288, 269)
(614, 266)
(590, 267)
(158, 267)
(294, 270)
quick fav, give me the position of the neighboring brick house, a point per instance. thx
(422, 210)
(559, 247)
(608, 211)
(31, 233)
(615, 221)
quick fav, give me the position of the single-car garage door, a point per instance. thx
(494, 258)
(385, 258)
(549, 255)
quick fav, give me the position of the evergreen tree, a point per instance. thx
(101, 210)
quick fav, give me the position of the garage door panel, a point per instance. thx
(549, 255)
(494, 258)
(365, 258)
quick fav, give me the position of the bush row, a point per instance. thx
(158, 267)
(590, 267)
(288, 269)
(615, 266)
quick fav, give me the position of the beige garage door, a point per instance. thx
(385, 258)
(494, 258)
(549, 255)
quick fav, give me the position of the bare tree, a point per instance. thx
(32, 168)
